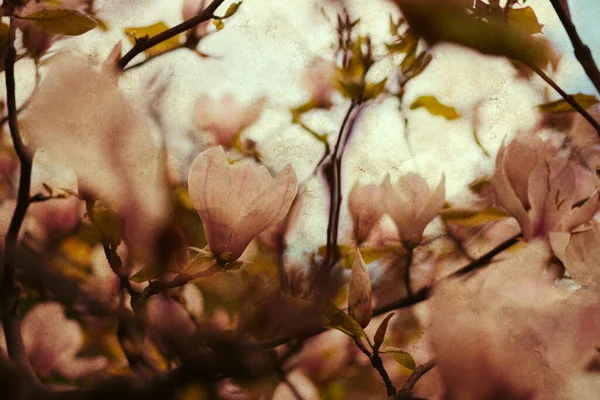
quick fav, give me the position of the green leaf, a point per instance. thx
(337, 319)
(233, 8)
(401, 357)
(561, 106)
(372, 90)
(471, 218)
(524, 19)
(380, 333)
(61, 22)
(144, 32)
(107, 223)
(431, 104)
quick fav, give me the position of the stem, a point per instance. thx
(582, 52)
(9, 289)
(145, 44)
(411, 381)
(376, 362)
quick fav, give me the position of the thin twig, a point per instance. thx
(582, 52)
(9, 288)
(568, 98)
(144, 44)
(376, 362)
(411, 381)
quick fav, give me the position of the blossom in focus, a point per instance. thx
(53, 341)
(237, 201)
(319, 79)
(412, 205)
(366, 209)
(538, 188)
(518, 334)
(226, 119)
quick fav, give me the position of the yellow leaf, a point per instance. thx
(524, 20)
(61, 22)
(471, 218)
(145, 32)
(233, 8)
(403, 358)
(219, 24)
(561, 106)
(434, 107)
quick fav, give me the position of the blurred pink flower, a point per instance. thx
(580, 253)
(237, 201)
(103, 139)
(168, 318)
(365, 204)
(412, 205)
(53, 341)
(537, 188)
(190, 9)
(225, 120)
(517, 334)
(319, 79)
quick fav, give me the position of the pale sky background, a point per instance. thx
(264, 49)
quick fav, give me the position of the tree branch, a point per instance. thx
(582, 52)
(406, 391)
(376, 362)
(568, 98)
(9, 289)
(145, 44)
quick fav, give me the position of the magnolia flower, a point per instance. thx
(538, 188)
(412, 205)
(225, 120)
(53, 341)
(96, 132)
(518, 335)
(319, 79)
(366, 210)
(580, 253)
(237, 201)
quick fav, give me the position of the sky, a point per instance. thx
(264, 49)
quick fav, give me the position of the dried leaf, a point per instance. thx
(380, 333)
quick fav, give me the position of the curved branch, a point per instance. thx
(145, 44)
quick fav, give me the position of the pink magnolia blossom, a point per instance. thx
(226, 119)
(366, 209)
(538, 188)
(53, 341)
(511, 332)
(237, 201)
(412, 205)
(319, 79)
(580, 253)
(97, 133)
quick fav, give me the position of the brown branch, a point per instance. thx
(376, 362)
(406, 391)
(568, 98)
(582, 52)
(144, 44)
(9, 289)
